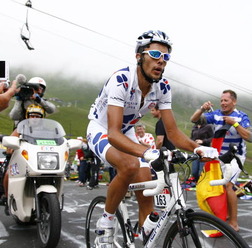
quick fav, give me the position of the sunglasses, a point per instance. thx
(155, 54)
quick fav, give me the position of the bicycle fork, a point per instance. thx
(130, 237)
(185, 228)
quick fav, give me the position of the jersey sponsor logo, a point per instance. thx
(132, 93)
(117, 98)
(122, 81)
(100, 141)
(165, 87)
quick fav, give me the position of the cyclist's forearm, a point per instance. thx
(124, 144)
(181, 141)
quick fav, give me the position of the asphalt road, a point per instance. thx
(77, 200)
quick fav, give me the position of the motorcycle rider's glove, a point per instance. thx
(37, 98)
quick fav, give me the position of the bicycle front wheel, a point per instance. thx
(95, 212)
(203, 230)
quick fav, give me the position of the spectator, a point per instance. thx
(161, 136)
(6, 94)
(112, 173)
(144, 138)
(238, 133)
(202, 134)
(147, 140)
(83, 165)
(95, 164)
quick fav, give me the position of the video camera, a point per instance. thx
(26, 89)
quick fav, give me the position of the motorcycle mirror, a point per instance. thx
(74, 144)
(11, 142)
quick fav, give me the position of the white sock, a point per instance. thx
(107, 220)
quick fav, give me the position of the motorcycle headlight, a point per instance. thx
(48, 161)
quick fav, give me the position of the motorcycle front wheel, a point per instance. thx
(49, 225)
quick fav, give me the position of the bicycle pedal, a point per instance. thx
(100, 232)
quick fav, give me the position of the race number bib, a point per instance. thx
(162, 199)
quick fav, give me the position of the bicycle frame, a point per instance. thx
(176, 205)
(176, 202)
(177, 226)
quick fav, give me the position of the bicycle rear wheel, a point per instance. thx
(95, 212)
(200, 230)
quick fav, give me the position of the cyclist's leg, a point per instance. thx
(127, 168)
(145, 204)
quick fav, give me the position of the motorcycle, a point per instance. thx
(36, 175)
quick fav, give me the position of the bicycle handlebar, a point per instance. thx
(226, 177)
(226, 158)
(158, 165)
(159, 186)
(176, 157)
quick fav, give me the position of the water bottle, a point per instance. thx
(148, 225)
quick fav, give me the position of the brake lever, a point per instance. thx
(240, 164)
(158, 164)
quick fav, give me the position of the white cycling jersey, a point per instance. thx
(122, 90)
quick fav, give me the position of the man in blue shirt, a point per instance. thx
(238, 133)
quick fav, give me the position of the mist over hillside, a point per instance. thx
(73, 97)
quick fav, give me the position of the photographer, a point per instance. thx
(31, 92)
(6, 93)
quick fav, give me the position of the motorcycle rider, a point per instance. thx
(33, 111)
(19, 109)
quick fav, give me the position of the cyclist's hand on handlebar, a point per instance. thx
(206, 152)
(151, 154)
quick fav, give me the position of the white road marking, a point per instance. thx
(3, 232)
(73, 238)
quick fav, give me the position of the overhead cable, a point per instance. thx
(234, 85)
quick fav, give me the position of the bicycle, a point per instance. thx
(177, 226)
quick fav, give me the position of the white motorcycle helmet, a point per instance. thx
(153, 36)
(38, 80)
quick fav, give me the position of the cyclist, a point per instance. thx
(129, 94)
(238, 132)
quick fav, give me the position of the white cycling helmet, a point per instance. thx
(153, 36)
(38, 80)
